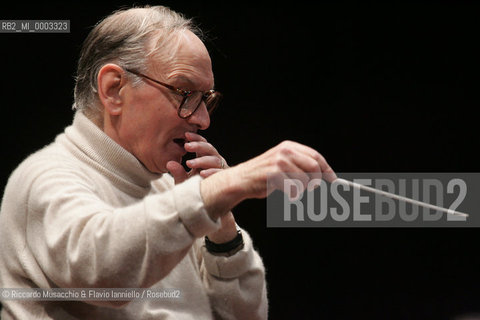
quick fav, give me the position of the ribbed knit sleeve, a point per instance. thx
(236, 284)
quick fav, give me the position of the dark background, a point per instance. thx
(374, 87)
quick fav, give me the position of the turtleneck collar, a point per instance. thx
(104, 151)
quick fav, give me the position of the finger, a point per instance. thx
(177, 171)
(192, 136)
(316, 168)
(297, 161)
(329, 175)
(206, 162)
(305, 169)
(208, 172)
(289, 184)
(301, 163)
(201, 148)
(300, 180)
(325, 171)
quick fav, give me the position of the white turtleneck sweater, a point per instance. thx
(84, 213)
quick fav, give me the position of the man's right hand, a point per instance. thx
(225, 189)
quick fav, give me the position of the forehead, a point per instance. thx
(189, 63)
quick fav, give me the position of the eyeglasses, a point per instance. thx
(191, 99)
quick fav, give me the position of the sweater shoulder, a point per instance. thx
(51, 158)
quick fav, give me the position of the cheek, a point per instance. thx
(152, 120)
(156, 131)
(142, 116)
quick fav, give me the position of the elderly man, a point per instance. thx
(98, 209)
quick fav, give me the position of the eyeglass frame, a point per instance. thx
(184, 93)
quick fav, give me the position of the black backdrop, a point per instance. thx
(374, 87)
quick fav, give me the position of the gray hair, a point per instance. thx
(125, 38)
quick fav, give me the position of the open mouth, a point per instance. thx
(180, 142)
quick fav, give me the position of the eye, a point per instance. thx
(184, 93)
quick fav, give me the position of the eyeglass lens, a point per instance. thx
(192, 102)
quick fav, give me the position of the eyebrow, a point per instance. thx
(183, 79)
(191, 83)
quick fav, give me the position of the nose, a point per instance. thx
(200, 118)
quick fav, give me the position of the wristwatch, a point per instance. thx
(228, 248)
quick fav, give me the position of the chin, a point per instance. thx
(162, 168)
(156, 167)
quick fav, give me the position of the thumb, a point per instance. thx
(177, 171)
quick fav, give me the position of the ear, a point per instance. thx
(111, 79)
